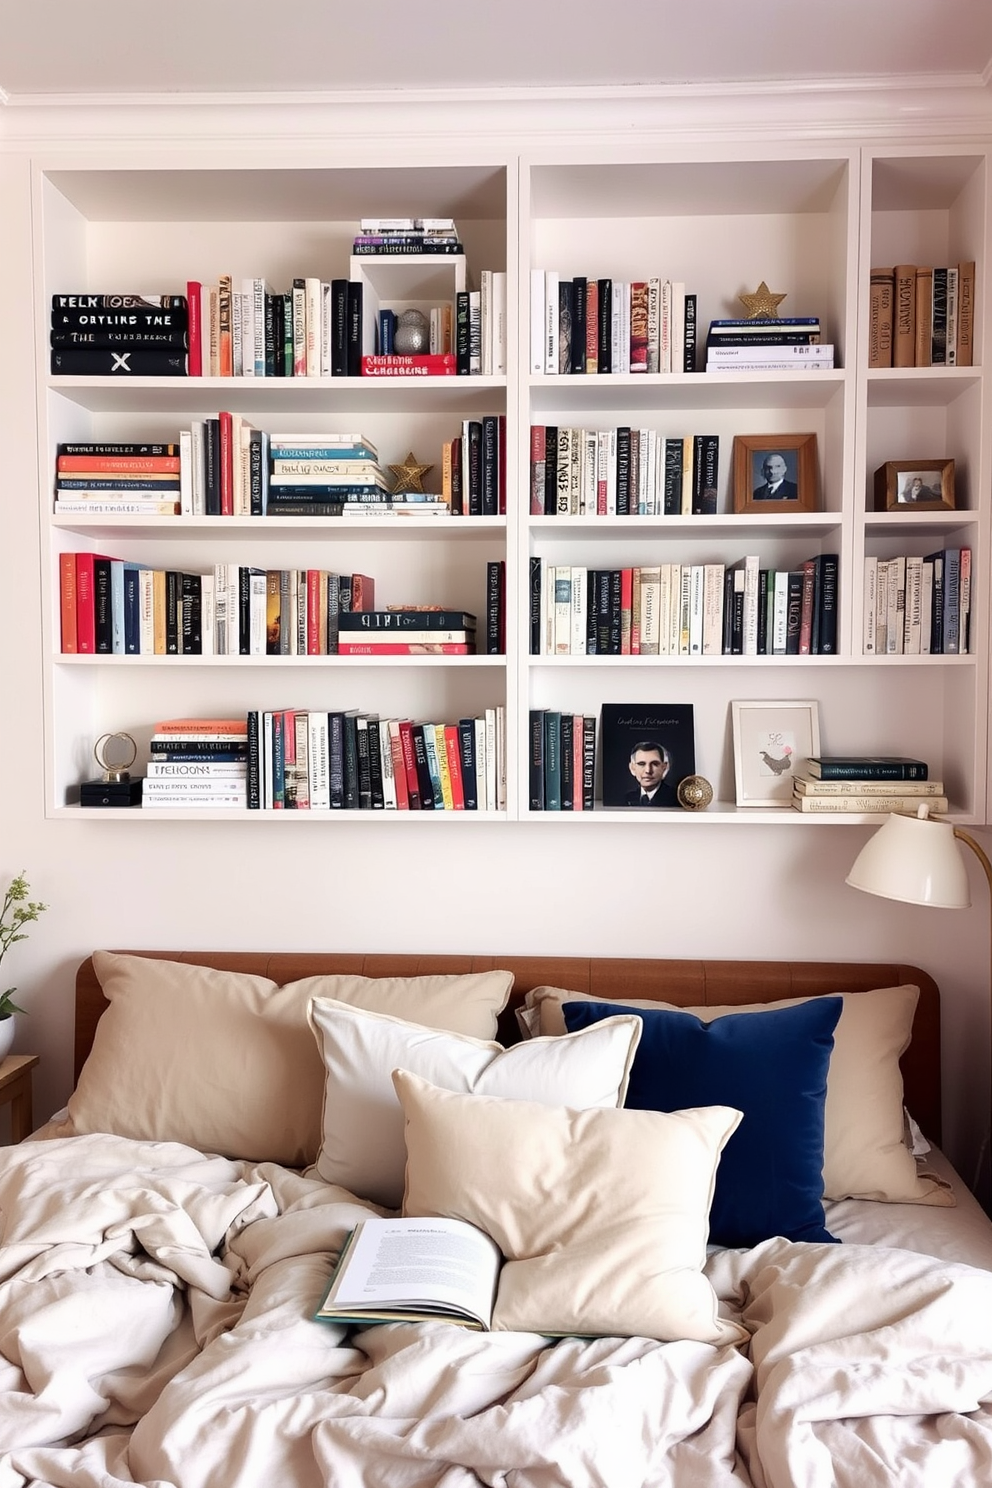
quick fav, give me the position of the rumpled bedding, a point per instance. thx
(156, 1328)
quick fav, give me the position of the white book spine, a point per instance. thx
(611, 473)
(926, 608)
(538, 322)
(248, 368)
(197, 476)
(186, 472)
(318, 762)
(499, 323)
(563, 611)
(579, 594)
(590, 473)
(256, 614)
(913, 622)
(751, 568)
(780, 612)
(869, 611)
(208, 618)
(713, 609)
(665, 327)
(146, 612)
(551, 277)
(696, 578)
(479, 725)
(486, 321)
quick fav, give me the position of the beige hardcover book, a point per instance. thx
(904, 316)
(865, 802)
(880, 316)
(966, 314)
(811, 785)
(924, 315)
(649, 589)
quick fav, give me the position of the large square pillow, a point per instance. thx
(362, 1146)
(225, 1062)
(600, 1215)
(772, 1067)
(864, 1151)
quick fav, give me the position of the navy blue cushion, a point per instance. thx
(772, 1066)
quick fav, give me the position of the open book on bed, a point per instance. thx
(414, 1270)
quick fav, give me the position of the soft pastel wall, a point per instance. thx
(735, 891)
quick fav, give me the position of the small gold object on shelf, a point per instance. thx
(762, 305)
(694, 793)
(410, 475)
(115, 754)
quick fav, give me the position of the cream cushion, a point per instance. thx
(865, 1155)
(362, 1146)
(225, 1061)
(601, 1215)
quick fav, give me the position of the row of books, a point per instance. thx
(916, 605)
(112, 607)
(562, 760)
(876, 793)
(779, 344)
(359, 761)
(688, 609)
(582, 325)
(119, 335)
(922, 316)
(622, 472)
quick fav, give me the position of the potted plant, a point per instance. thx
(16, 912)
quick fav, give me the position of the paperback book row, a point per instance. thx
(866, 783)
(296, 760)
(562, 760)
(918, 605)
(110, 607)
(584, 325)
(688, 609)
(622, 472)
(782, 344)
(922, 316)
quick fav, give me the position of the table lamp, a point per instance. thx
(917, 859)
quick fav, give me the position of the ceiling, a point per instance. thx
(107, 48)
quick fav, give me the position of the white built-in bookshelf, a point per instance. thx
(809, 221)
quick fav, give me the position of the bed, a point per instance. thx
(167, 1239)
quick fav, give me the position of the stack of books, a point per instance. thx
(119, 335)
(128, 479)
(418, 631)
(380, 237)
(922, 316)
(197, 762)
(867, 783)
(320, 475)
(790, 344)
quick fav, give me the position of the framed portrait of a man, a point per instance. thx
(775, 473)
(915, 485)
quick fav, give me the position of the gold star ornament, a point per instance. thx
(409, 476)
(762, 305)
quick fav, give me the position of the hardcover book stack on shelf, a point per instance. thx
(787, 344)
(922, 316)
(622, 472)
(119, 335)
(322, 476)
(358, 761)
(918, 605)
(418, 631)
(197, 762)
(688, 609)
(867, 783)
(125, 479)
(381, 237)
(582, 325)
(562, 760)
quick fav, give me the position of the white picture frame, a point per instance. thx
(770, 740)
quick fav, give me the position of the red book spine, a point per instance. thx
(577, 760)
(194, 328)
(453, 753)
(399, 770)
(313, 612)
(626, 610)
(538, 449)
(67, 594)
(806, 613)
(85, 608)
(117, 464)
(226, 465)
(430, 364)
(362, 593)
(348, 647)
(410, 764)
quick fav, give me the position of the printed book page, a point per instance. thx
(414, 1269)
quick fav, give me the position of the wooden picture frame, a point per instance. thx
(797, 473)
(771, 740)
(915, 485)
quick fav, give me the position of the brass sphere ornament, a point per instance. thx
(694, 793)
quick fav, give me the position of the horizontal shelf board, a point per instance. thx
(242, 814)
(282, 527)
(306, 194)
(919, 387)
(726, 813)
(802, 662)
(908, 522)
(72, 659)
(703, 390)
(256, 395)
(746, 522)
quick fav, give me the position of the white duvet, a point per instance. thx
(155, 1328)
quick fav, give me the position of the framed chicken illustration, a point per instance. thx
(772, 740)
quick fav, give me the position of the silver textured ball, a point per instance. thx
(412, 334)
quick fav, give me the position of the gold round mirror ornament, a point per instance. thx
(115, 754)
(694, 793)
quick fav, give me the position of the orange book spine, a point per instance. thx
(67, 595)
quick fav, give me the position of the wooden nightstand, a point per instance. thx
(15, 1092)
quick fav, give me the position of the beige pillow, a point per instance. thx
(593, 1243)
(864, 1156)
(362, 1145)
(225, 1061)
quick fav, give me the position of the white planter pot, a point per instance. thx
(7, 1031)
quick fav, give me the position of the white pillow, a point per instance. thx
(864, 1150)
(601, 1215)
(362, 1146)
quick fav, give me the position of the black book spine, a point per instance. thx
(287, 341)
(211, 467)
(567, 741)
(672, 501)
(828, 569)
(463, 334)
(762, 612)
(566, 324)
(592, 612)
(339, 327)
(171, 450)
(350, 761)
(536, 610)
(107, 361)
(490, 465)
(173, 607)
(256, 474)
(550, 470)
(588, 762)
(253, 797)
(602, 611)
(705, 474)
(578, 356)
(87, 303)
(192, 614)
(278, 766)
(273, 334)
(335, 760)
(552, 760)
(473, 467)
(424, 783)
(495, 607)
(355, 310)
(466, 753)
(689, 348)
(103, 618)
(134, 321)
(727, 618)
(605, 363)
(536, 759)
(106, 339)
(938, 342)
(623, 471)
(132, 611)
(376, 792)
(616, 621)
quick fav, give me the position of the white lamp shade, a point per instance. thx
(915, 859)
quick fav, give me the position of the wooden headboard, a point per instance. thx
(684, 983)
